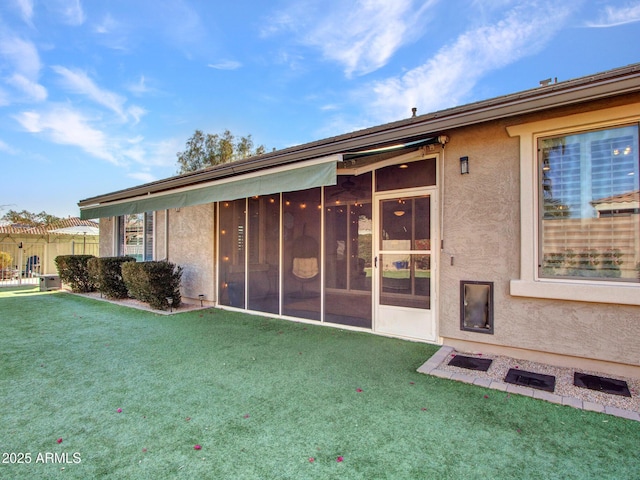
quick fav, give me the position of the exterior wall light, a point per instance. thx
(464, 165)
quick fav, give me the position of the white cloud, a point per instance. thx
(4, 98)
(108, 25)
(144, 177)
(113, 34)
(136, 112)
(33, 90)
(164, 152)
(447, 78)
(21, 58)
(140, 87)
(614, 16)
(361, 35)
(135, 152)
(79, 82)
(65, 126)
(21, 55)
(70, 11)
(26, 9)
(152, 154)
(4, 147)
(226, 65)
(183, 27)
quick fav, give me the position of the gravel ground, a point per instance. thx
(564, 379)
(133, 303)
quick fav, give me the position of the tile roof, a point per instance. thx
(623, 198)
(23, 229)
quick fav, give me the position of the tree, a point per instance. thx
(28, 218)
(206, 150)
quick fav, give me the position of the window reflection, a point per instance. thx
(405, 261)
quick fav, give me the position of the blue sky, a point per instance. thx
(100, 96)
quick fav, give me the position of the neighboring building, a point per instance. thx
(509, 226)
(31, 251)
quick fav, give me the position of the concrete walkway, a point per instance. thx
(431, 367)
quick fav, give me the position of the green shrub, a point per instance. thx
(74, 272)
(153, 282)
(5, 260)
(106, 273)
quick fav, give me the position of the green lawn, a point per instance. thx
(265, 399)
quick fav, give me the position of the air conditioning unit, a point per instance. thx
(50, 282)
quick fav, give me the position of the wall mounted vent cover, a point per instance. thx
(531, 379)
(471, 363)
(601, 384)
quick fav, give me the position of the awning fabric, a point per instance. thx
(392, 148)
(287, 180)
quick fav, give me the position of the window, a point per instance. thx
(579, 197)
(135, 236)
(588, 191)
(406, 175)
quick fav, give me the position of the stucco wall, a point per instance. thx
(159, 237)
(481, 230)
(191, 245)
(107, 232)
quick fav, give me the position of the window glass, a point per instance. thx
(405, 243)
(406, 224)
(589, 205)
(232, 253)
(135, 236)
(148, 236)
(406, 175)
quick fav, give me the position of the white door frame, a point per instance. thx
(406, 322)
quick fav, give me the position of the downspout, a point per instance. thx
(166, 234)
(115, 240)
(442, 140)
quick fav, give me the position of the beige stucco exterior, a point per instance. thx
(107, 237)
(191, 245)
(481, 232)
(184, 237)
(487, 221)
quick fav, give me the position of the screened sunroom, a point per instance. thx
(311, 254)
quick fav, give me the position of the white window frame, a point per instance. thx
(530, 284)
(117, 233)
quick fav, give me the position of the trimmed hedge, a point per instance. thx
(74, 272)
(106, 273)
(153, 282)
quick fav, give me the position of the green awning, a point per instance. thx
(243, 186)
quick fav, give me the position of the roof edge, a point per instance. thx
(592, 87)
